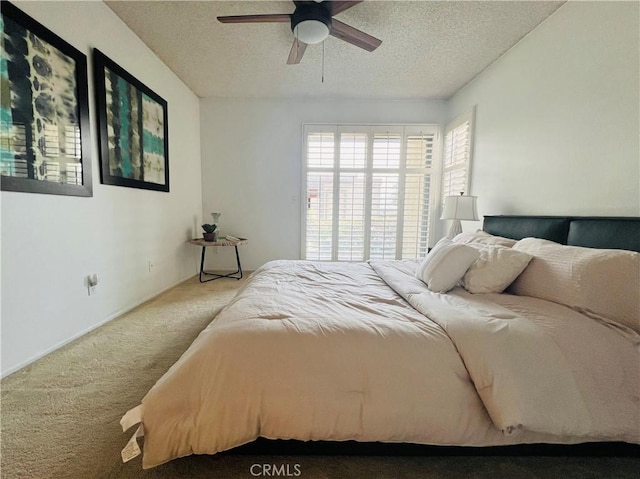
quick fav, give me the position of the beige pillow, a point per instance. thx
(495, 269)
(483, 237)
(603, 283)
(445, 264)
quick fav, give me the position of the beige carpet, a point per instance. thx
(60, 415)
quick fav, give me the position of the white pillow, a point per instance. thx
(483, 237)
(445, 264)
(601, 283)
(495, 269)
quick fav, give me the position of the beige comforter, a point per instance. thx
(333, 351)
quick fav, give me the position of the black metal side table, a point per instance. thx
(223, 242)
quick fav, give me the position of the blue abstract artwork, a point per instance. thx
(133, 129)
(42, 106)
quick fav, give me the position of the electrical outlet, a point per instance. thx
(92, 284)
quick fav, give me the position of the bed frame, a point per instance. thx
(586, 231)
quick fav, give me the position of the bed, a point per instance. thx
(366, 352)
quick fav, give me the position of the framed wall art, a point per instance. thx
(133, 129)
(44, 109)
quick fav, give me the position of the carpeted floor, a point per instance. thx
(60, 415)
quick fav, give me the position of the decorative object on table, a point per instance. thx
(133, 129)
(44, 110)
(458, 208)
(210, 233)
(215, 220)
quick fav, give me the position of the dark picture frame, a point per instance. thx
(133, 127)
(45, 141)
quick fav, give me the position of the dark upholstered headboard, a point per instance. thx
(588, 231)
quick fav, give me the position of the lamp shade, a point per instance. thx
(459, 208)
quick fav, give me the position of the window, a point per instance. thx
(457, 155)
(368, 191)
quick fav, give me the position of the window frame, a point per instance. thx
(469, 117)
(405, 130)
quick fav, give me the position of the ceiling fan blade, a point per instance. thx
(269, 18)
(336, 7)
(353, 35)
(297, 50)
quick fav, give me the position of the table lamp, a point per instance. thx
(458, 208)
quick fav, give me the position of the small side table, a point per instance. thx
(223, 242)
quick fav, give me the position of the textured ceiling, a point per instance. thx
(430, 49)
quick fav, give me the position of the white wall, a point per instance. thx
(557, 117)
(50, 243)
(251, 165)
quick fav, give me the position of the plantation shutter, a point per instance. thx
(385, 184)
(457, 156)
(420, 147)
(320, 151)
(368, 191)
(352, 224)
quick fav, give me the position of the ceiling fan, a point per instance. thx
(312, 22)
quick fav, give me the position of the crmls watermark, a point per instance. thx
(275, 470)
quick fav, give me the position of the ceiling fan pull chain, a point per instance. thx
(322, 77)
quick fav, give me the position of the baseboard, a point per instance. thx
(91, 328)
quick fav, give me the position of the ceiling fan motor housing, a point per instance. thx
(311, 23)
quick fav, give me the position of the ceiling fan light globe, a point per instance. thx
(311, 31)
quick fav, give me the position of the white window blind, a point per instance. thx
(457, 155)
(368, 191)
